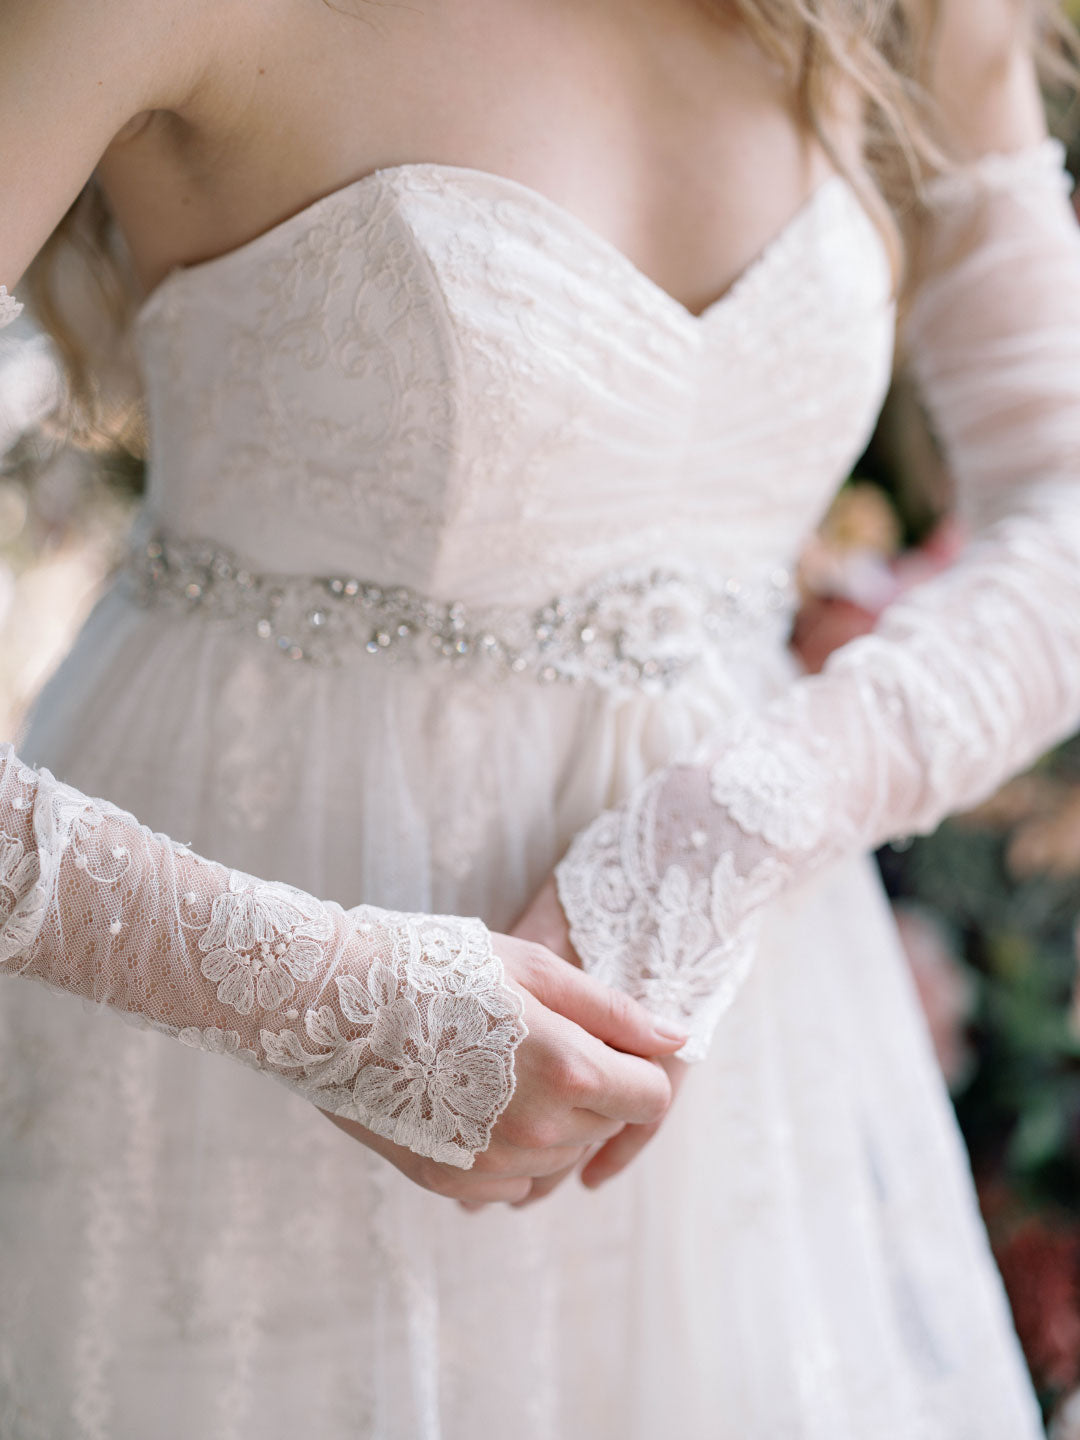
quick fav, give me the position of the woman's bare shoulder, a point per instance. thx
(89, 31)
(983, 74)
(73, 74)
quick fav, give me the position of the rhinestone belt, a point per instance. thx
(642, 628)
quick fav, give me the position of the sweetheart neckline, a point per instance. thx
(527, 194)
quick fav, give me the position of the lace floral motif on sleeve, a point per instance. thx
(402, 1022)
(9, 307)
(665, 896)
(964, 681)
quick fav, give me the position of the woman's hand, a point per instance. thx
(544, 922)
(586, 1071)
(614, 1154)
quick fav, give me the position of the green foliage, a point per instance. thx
(1020, 1110)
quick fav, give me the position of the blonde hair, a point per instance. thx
(884, 49)
(881, 48)
(82, 294)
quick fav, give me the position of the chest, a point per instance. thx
(659, 126)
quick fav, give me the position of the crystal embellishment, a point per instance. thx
(638, 629)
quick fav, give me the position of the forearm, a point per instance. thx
(401, 1022)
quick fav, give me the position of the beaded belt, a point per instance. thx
(642, 628)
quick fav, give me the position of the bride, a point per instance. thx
(497, 360)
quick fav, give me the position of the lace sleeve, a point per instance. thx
(402, 1022)
(9, 307)
(965, 680)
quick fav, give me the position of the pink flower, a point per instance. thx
(849, 576)
(824, 624)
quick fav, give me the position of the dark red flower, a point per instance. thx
(1040, 1264)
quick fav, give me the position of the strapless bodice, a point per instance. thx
(437, 377)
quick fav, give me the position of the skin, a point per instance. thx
(544, 921)
(579, 1084)
(208, 121)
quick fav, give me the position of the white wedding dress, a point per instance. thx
(458, 528)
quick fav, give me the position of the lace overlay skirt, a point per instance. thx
(188, 1250)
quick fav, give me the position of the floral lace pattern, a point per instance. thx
(965, 681)
(18, 872)
(261, 939)
(665, 895)
(366, 399)
(10, 308)
(414, 1027)
(431, 1034)
(773, 788)
(674, 925)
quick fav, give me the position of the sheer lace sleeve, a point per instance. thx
(966, 680)
(9, 307)
(402, 1022)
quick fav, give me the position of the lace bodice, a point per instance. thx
(437, 378)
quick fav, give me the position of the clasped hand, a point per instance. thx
(595, 1073)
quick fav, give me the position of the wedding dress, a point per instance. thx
(467, 546)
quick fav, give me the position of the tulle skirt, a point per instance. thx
(186, 1249)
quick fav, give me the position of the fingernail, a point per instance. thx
(669, 1030)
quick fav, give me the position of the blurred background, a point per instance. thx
(987, 907)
